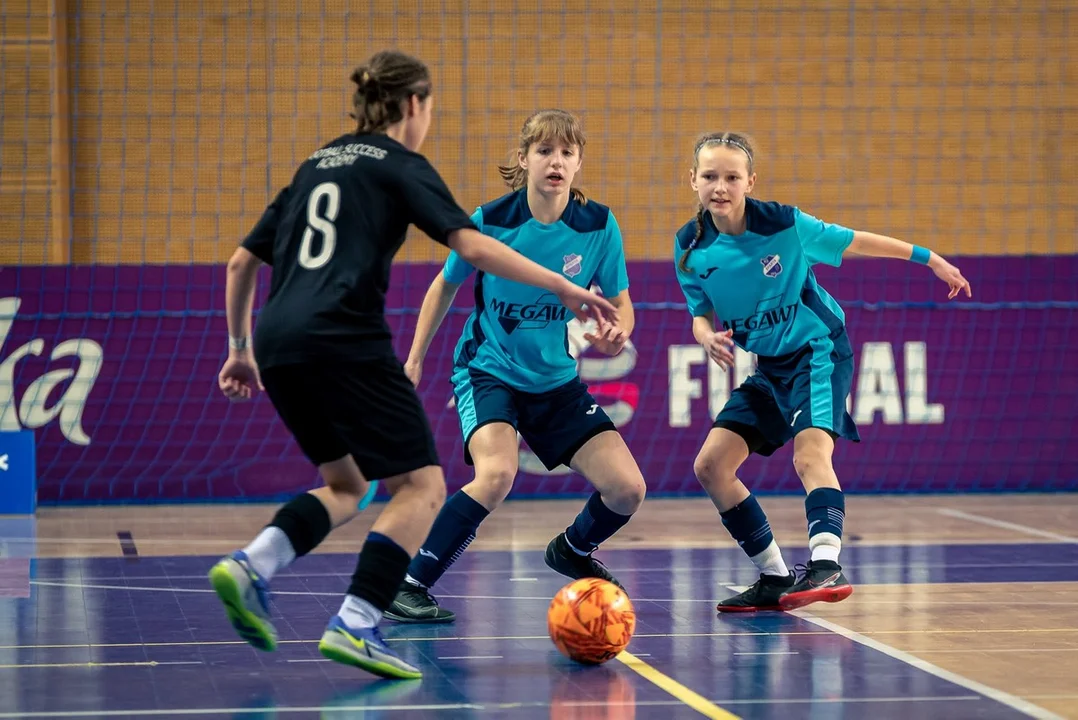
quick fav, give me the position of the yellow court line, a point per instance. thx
(697, 702)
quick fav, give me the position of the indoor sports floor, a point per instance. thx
(964, 607)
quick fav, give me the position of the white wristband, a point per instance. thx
(237, 343)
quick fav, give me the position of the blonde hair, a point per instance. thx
(382, 83)
(544, 126)
(740, 141)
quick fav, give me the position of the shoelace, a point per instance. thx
(423, 593)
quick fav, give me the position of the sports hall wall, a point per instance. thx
(142, 139)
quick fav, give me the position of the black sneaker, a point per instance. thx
(561, 558)
(821, 581)
(415, 604)
(764, 594)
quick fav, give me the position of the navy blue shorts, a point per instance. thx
(555, 424)
(788, 394)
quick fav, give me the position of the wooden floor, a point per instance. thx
(529, 524)
(981, 587)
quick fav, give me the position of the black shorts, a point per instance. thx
(368, 410)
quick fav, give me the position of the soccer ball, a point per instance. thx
(591, 621)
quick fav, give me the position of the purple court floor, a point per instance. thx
(131, 636)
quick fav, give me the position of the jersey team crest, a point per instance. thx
(571, 268)
(772, 266)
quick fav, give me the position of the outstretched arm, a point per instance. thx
(488, 254)
(868, 244)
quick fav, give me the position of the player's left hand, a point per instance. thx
(239, 377)
(608, 338)
(951, 275)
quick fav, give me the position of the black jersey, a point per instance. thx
(331, 236)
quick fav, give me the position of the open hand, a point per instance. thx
(951, 275)
(608, 338)
(720, 348)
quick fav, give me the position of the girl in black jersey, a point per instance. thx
(322, 351)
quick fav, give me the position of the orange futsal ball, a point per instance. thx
(591, 620)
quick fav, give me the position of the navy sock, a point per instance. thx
(595, 523)
(825, 509)
(379, 572)
(452, 532)
(748, 525)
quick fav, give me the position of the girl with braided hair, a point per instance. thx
(745, 267)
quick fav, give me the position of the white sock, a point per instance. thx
(770, 562)
(270, 552)
(412, 581)
(573, 548)
(358, 613)
(825, 546)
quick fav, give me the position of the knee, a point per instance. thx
(636, 492)
(496, 478)
(627, 497)
(713, 469)
(811, 461)
(426, 486)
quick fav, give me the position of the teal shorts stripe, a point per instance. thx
(821, 384)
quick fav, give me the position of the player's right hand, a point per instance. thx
(239, 377)
(720, 348)
(575, 298)
(414, 370)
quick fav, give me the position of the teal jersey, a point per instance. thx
(517, 333)
(760, 284)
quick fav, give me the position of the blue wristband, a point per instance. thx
(921, 255)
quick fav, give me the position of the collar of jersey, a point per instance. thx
(522, 200)
(712, 233)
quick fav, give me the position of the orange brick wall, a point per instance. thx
(951, 123)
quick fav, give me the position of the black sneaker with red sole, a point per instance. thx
(762, 595)
(820, 581)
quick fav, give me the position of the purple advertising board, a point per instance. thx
(114, 368)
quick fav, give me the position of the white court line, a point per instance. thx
(943, 602)
(348, 547)
(667, 568)
(1004, 525)
(472, 657)
(1004, 698)
(332, 708)
(979, 651)
(495, 638)
(778, 652)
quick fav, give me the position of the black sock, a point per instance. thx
(305, 521)
(379, 572)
